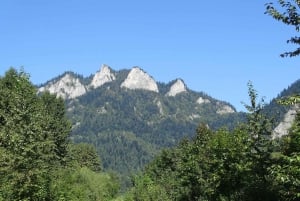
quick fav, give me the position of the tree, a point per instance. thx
(285, 171)
(55, 124)
(289, 16)
(33, 138)
(84, 155)
(82, 184)
(259, 129)
(211, 166)
(145, 189)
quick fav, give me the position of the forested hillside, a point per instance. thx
(276, 110)
(242, 164)
(129, 117)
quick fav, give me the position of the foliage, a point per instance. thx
(280, 105)
(291, 100)
(37, 161)
(259, 128)
(290, 16)
(84, 155)
(285, 171)
(82, 184)
(215, 165)
(128, 127)
(33, 138)
(146, 189)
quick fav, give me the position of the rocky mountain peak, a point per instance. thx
(177, 88)
(103, 76)
(138, 79)
(66, 87)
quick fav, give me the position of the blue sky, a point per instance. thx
(214, 46)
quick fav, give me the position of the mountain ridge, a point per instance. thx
(140, 80)
(129, 117)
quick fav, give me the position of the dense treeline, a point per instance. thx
(243, 164)
(37, 160)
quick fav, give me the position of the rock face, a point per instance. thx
(284, 126)
(66, 87)
(103, 76)
(138, 79)
(177, 88)
(201, 100)
(225, 109)
(160, 107)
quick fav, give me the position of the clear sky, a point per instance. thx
(214, 46)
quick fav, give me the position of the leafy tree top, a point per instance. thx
(289, 16)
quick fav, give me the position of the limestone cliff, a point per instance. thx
(138, 79)
(103, 76)
(284, 126)
(66, 87)
(201, 100)
(177, 88)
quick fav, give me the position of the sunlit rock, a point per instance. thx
(66, 87)
(138, 79)
(201, 100)
(225, 109)
(177, 88)
(103, 76)
(284, 126)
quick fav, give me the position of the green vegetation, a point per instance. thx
(243, 164)
(289, 15)
(37, 160)
(83, 184)
(129, 127)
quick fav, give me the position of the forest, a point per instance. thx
(40, 162)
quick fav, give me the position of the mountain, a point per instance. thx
(67, 86)
(103, 76)
(138, 79)
(129, 116)
(285, 124)
(177, 87)
(283, 115)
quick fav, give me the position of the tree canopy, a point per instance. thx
(37, 160)
(33, 137)
(288, 13)
(245, 164)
